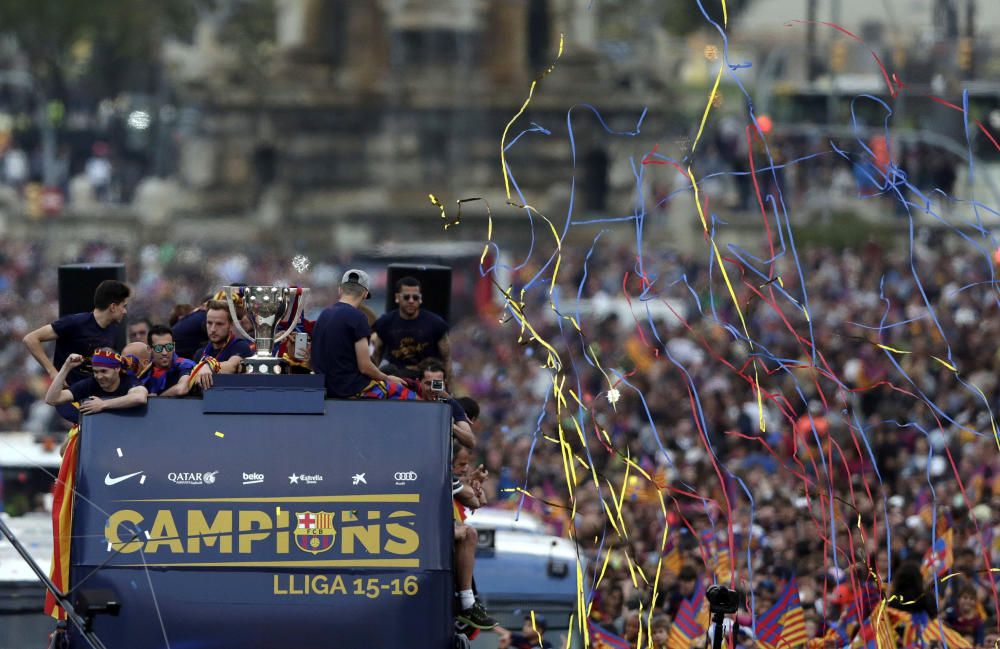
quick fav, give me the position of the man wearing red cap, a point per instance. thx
(109, 387)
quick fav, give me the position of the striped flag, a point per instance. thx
(601, 638)
(925, 506)
(783, 625)
(672, 559)
(723, 566)
(717, 558)
(920, 631)
(939, 557)
(691, 620)
(62, 523)
(876, 632)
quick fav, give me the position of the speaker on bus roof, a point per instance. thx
(77, 283)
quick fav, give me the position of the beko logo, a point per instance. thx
(253, 478)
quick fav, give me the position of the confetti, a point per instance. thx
(300, 263)
(613, 396)
(218, 434)
(119, 452)
(711, 52)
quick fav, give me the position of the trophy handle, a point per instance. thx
(232, 310)
(301, 294)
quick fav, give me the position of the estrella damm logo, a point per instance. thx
(315, 532)
(350, 531)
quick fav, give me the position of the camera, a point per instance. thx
(722, 600)
(437, 385)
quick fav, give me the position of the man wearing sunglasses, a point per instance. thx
(408, 335)
(164, 378)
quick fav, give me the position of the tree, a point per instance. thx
(105, 47)
(62, 40)
(682, 17)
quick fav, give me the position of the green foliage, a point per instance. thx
(682, 17)
(109, 46)
(844, 230)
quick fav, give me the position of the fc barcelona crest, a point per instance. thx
(315, 532)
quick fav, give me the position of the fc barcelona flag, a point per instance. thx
(62, 523)
(921, 631)
(876, 632)
(602, 639)
(672, 559)
(691, 620)
(783, 626)
(939, 558)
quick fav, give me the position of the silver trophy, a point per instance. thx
(267, 306)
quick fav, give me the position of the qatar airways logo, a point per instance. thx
(186, 477)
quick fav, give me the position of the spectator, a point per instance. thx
(138, 330)
(434, 387)
(471, 612)
(98, 171)
(659, 628)
(531, 635)
(966, 615)
(687, 581)
(15, 167)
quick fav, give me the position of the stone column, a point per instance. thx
(368, 45)
(290, 24)
(505, 35)
(577, 21)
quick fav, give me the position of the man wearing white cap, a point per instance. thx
(340, 345)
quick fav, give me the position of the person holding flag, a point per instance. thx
(939, 557)
(783, 625)
(691, 620)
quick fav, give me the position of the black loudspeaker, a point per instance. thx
(435, 287)
(77, 283)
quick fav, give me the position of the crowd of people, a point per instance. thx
(885, 434)
(81, 153)
(836, 442)
(809, 169)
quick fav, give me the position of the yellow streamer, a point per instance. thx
(524, 106)
(732, 295)
(708, 107)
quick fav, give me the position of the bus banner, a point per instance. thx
(237, 530)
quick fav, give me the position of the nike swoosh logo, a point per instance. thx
(108, 480)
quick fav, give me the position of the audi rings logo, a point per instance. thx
(402, 477)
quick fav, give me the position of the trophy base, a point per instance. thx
(269, 365)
